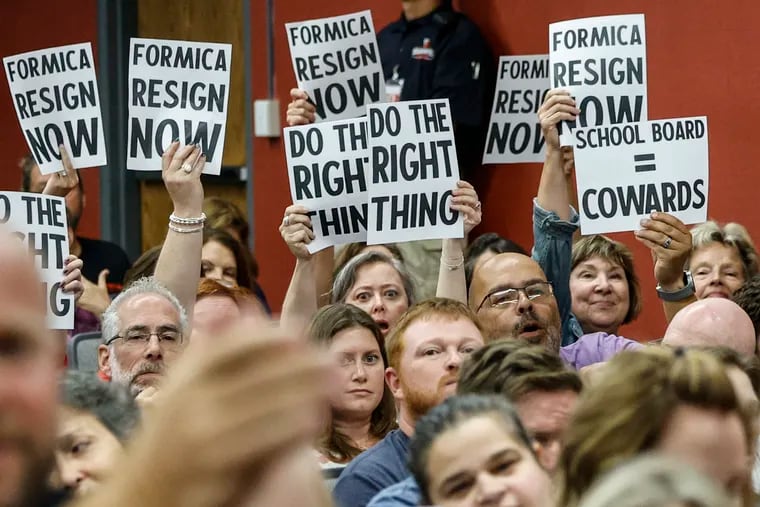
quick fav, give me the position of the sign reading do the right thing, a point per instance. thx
(414, 170)
(39, 222)
(602, 62)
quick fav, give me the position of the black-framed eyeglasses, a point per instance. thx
(167, 337)
(504, 297)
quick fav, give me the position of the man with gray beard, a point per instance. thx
(144, 329)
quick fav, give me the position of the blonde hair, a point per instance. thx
(731, 234)
(654, 481)
(624, 414)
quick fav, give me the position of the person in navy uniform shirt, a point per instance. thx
(432, 52)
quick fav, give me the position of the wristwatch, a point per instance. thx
(679, 295)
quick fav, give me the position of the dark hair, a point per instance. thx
(514, 368)
(327, 322)
(223, 214)
(748, 298)
(144, 266)
(110, 403)
(617, 253)
(488, 242)
(242, 257)
(450, 414)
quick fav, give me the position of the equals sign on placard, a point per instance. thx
(644, 162)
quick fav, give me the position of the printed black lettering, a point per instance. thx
(5, 205)
(59, 303)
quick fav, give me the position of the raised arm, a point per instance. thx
(670, 242)
(554, 221)
(179, 263)
(553, 193)
(451, 279)
(300, 303)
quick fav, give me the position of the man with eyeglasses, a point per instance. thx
(513, 300)
(144, 329)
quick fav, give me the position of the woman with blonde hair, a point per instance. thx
(722, 259)
(680, 403)
(654, 481)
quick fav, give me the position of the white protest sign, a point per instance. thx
(625, 172)
(337, 62)
(602, 62)
(514, 132)
(414, 170)
(327, 165)
(178, 90)
(55, 94)
(39, 221)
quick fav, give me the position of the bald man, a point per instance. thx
(712, 322)
(513, 300)
(29, 366)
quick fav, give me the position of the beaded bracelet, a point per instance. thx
(185, 231)
(187, 221)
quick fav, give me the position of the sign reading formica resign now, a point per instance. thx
(625, 172)
(337, 62)
(514, 132)
(55, 94)
(602, 62)
(39, 222)
(178, 90)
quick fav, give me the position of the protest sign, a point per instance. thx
(625, 172)
(39, 221)
(414, 170)
(337, 62)
(327, 163)
(514, 132)
(55, 94)
(178, 90)
(602, 62)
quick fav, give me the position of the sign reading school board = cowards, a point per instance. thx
(337, 62)
(602, 62)
(39, 222)
(327, 165)
(414, 170)
(625, 172)
(178, 90)
(55, 94)
(514, 132)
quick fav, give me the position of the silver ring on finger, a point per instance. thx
(478, 206)
(667, 242)
(64, 173)
(286, 220)
(187, 167)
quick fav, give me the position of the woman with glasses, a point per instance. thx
(374, 282)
